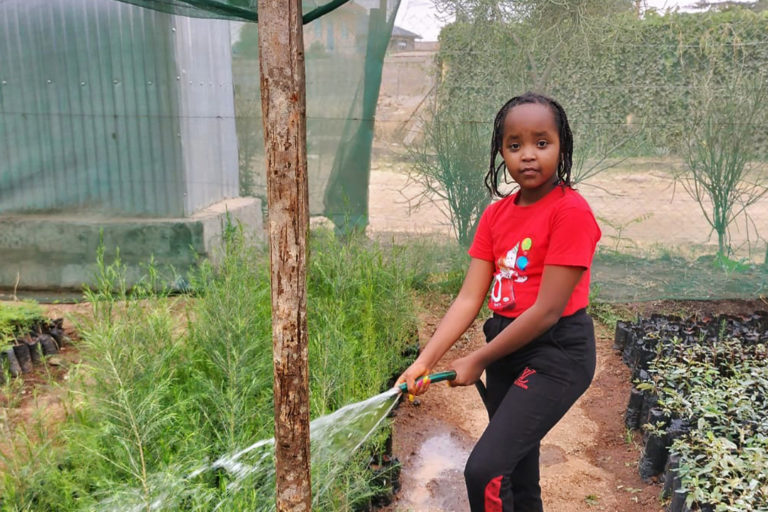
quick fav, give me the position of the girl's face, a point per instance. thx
(531, 150)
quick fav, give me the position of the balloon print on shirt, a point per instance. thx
(511, 269)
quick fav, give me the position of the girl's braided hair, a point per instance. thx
(497, 172)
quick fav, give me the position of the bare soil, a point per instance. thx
(588, 461)
(639, 205)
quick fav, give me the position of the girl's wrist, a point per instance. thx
(426, 360)
(425, 364)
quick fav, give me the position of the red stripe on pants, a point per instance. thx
(492, 495)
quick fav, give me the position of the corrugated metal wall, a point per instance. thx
(96, 115)
(207, 109)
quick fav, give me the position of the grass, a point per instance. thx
(171, 383)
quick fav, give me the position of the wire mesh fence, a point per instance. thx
(639, 102)
(98, 125)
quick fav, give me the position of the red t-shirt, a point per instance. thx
(558, 229)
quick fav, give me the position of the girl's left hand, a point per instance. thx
(468, 371)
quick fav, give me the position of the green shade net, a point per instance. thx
(650, 99)
(229, 10)
(115, 115)
(126, 109)
(345, 47)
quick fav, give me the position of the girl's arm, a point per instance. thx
(457, 319)
(557, 284)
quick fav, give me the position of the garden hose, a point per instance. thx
(435, 377)
(449, 375)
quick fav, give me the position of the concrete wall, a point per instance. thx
(43, 253)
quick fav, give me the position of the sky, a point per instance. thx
(419, 16)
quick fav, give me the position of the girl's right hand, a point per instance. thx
(409, 376)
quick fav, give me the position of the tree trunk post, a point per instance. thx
(281, 58)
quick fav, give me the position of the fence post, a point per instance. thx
(281, 61)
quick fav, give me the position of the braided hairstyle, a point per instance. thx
(497, 172)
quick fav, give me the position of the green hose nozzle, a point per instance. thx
(435, 377)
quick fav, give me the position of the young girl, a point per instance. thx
(533, 250)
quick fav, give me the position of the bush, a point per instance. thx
(170, 384)
(17, 318)
(449, 164)
(609, 72)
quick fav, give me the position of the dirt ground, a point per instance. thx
(588, 461)
(638, 204)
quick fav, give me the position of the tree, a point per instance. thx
(597, 148)
(721, 154)
(721, 5)
(548, 11)
(575, 10)
(464, 11)
(449, 164)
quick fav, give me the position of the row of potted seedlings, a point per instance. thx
(28, 349)
(700, 396)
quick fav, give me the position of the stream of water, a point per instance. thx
(334, 438)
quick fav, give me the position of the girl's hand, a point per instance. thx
(468, 371)
(409, 376)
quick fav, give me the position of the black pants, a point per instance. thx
(528, 392)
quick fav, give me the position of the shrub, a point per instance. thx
(170, 384)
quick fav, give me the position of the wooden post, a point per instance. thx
(283, 103)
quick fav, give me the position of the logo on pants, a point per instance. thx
(522, 379)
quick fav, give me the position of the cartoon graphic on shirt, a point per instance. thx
(511, 269)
